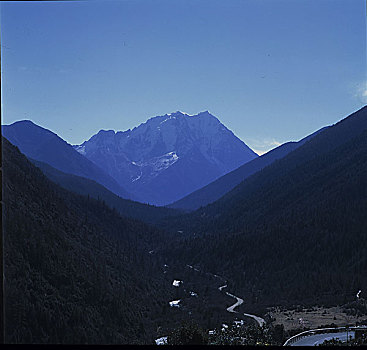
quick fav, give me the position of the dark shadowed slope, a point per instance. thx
(236, 209)
(75, 271)
(43, 145)
(224, 184)
(298, 236)
(83, 186)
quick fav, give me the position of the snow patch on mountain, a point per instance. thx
(155, 165)
(80, 149)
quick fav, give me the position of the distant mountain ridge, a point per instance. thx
(127, 208)
(218, 188)
(43, 145)
(168, 156)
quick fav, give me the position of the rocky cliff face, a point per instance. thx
(168, 156)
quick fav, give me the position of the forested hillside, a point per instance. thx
(128, 208)
(75, 271)
(293, 233)
(301, 236)
(263, 194)
(218, 188)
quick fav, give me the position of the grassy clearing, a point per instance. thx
(313, 317)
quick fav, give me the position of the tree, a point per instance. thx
(188, 334)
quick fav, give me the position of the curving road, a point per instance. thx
(314, 340)
(220, 288)
(239, 301)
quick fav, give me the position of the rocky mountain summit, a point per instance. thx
(168, 156)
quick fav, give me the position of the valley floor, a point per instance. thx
(313, 317)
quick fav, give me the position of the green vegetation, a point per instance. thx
(125, 207)
(190, 333)
(360, 341)
(218, 188)
(294, 233)
(75, 271)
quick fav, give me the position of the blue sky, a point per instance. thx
(270, 70)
